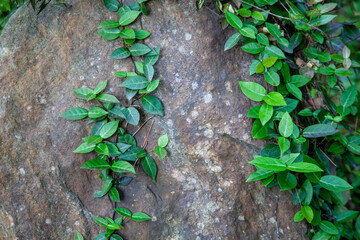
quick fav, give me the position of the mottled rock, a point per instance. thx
(200, 191)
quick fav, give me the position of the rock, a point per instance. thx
(200, 192)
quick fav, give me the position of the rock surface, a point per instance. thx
(200, 191)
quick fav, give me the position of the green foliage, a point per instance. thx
(117, 150)
(309, 105)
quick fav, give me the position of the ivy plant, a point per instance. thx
(117, 150)
(307, 106)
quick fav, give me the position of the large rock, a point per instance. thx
(200, 191)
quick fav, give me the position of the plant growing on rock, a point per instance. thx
(308, 108)
(118, 151)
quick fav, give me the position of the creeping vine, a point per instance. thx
(117, 149)
(309, 108)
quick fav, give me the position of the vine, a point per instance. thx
(118, 151)
(308, 110)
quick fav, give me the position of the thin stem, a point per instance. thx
(100, 104)
(290, 19)
(141, 127)
(147, 135)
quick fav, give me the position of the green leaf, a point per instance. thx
(273, 30)
(284, 144)
(135, 82)
(354, 148)
(116, 112)
(109, 129)
(263, 39)
(233, 20)
(348, 97)
(252, 48)
(305, 112)
(327, 7)
(268, 163)
(274, 51)
(101, 86)
(248, 32)
(326, 70)
(85, 148)
(322, 20)
(102, 148)
(123, 212)
(298, 216)
(265, 113)
(258, 16)
(149, 166)
(334, 183)
(78, 236)
(142, 34)
(299, 80)
(139, 49)
(107, 98)
(294, 90)
(112, 5)
(342, 72)
(109, 33)
(274, 99)
(268, 62)
(346, 216)
(259, 175)
(244, 12)
(109, 24)
(286, 180)
(114, 194)
(120, 53)
(308, 188)
(272, 78)
(253, 90)
(295, 40)
(152, 105)
(258, 131)
(82, 92)
(127, 33)
(286, 125)
(163, 141)
(96, 164)
(319, 130)
(289, 158)
(139, 217)
(232, 41)
(128, 17)
(121, 74)
(105, 189)
(132, 115)
(304, 167)
(161, 152)
(151, 87)
(100, 221)
(122, 166)
(324, 57)
(328, 227)
(75, 114)
(308, 213)
(149, 71)
(285, 72)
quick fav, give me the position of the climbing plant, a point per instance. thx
(309, 107)
(117, 149)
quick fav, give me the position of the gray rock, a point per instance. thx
(200, 191)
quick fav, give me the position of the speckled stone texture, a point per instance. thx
(200, 191)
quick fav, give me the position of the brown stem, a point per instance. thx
(147, 135)
(141, 127)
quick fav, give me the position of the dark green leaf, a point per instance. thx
(152, 105)
(128, 17)
(135, 82)
(109, 129)
(132, 115)
(96, 164)
(75, 114)
(139, 49)
(124, 212)
(232, 41)
(334, 183)
(319, 130)
(120, 53)
(149, 166)
(122, 166)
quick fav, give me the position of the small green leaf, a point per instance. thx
(319, 130)
(120, 53)
(258, 16)
(232, 41)
(161, 152)
(132, 115)
(109, 129)
(274, 99)
(305, 112)
(265, 113)
(268, 163)
(123, 212)
(272, 78)
(259, 175)
(139, 49)
(149, 166)
(139, 217)
(294, 90)
(96, 164)
(107, 98)
(122, 166)
(304, 167)
(149, 71)
(152, 105)
(346, 216)
(253, 90)
(82, 92)
(252, 48)
(284, 144)
(109, 24)
(308, 213)
(298, 216)
(128, 17)
(334, 183)
(100, 221)
(135, 82)
(286, 125)
(142, 34)
(348, 97)
(78, 236)
(299, 80)
(75, 114)
(328, 227)
(274, 51)
(102, 148)
(247, 32)
(233, 20)
(244, 12)
(85, 148)
(273, 30)
(127, 33)
(112, 5)
(263, 39)
(109, 33)
(286, 180)
(268, 62)
(114, 194)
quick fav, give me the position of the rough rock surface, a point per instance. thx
(200, 191)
